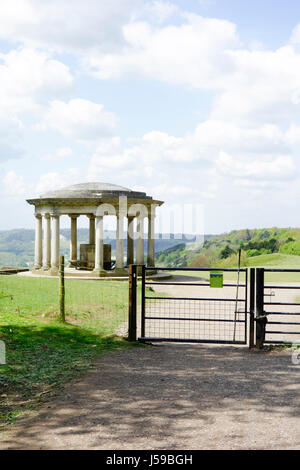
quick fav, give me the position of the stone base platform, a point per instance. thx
(71, 273)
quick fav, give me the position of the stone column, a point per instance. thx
(99, 252)
(73, 241)
(130, 240)
(47, 243)
(140, 240)
(54, 243)
(92, 229)
(38, 242)
(151, 238)
(120, 242)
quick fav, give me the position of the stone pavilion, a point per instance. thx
(95, 201)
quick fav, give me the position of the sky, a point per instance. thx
(195, 102)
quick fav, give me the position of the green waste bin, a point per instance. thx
(216, 279)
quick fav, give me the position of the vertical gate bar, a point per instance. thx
(261, 319)
(252, 307)
(246, 305)
(143, 303)
(132, 303)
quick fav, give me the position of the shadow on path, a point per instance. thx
(173, 397)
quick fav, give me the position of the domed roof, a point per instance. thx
(91, 194)
(96, 187)
(88, 190)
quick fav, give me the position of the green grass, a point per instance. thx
(278, 260)
(43, 353)
(275, 261)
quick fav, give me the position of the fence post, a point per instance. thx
(252, 308)
(62, 288)
(132, 303)
(261, 318)
(143, 301)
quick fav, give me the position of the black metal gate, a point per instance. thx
(277, 306)
(189, 310)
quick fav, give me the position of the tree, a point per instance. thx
(226, 252)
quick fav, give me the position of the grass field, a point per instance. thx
(43, 353)
(272, 261)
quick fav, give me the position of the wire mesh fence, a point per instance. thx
(281, 304)
(192, 308)
(212, 320)
(101, 306)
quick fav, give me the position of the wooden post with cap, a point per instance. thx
(62, 288)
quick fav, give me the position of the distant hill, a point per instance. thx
(221, 250)
(17, 246)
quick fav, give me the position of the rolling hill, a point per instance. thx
(17, 246)
(260, 247)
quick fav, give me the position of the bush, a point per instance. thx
(263, 246)
(200, 261)
(232, 261)
(290, 248)
(251, 253)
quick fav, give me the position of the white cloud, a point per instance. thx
(29, 77)
(80, 119)
(66, 26)
(60, 154)
(109, 146)
(14, 184)
(280, 168)
(249, 141)
(57, 180)
(263, 87)
(110, 156)
(258, 185)
(256, 86)
(11, 136)
(215, 135)
(216, 150)
(293, 134)
(161, 11)
(193, 53)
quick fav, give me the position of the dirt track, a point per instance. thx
(173, 397)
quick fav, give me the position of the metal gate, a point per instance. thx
(190, 310)
(278, 306)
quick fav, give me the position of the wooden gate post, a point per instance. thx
(261, 318)
(62, 288)
(132, 302)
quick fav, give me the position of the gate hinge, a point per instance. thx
(262, 318)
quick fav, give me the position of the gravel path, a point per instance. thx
(173, 397)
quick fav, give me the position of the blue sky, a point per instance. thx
(194, 102)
